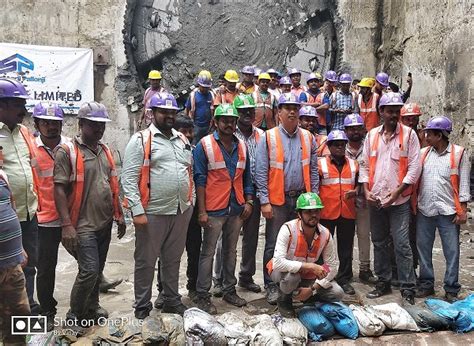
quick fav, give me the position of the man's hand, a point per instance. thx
(25, 258)
(140, 221)
(69, 237)
(460, 219)
(350, 194)
(267, 210)
(372, 200)
(122, 228)
(314, 270)
(304, 293)
(246, 212)
(390, 198)
(203, 219)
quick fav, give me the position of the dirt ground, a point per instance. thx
(119, 301)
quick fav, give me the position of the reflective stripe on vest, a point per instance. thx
(219, 184)
(264, 110)
(369, 114)
(334, 185)
(33, 160)
(276, 174)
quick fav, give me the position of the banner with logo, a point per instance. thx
(50, 74)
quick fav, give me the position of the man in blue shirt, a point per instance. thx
(225, 199)
(198, 107)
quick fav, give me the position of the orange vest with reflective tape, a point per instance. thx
(77, 179)
(332, 187)
(33, 160)
(368, 111)
(404, 137)
(321, 113)
(219, 183)
(321, 143)
(298, 249)
(264, 110)
(276, 155)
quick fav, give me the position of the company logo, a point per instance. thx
(16, 63)
(23, 325)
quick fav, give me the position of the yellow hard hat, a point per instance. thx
(264, 76)
(205, 73)
(367, 82)
(154, 74)
(231, 76)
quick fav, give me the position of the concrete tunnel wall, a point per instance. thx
(431, 39)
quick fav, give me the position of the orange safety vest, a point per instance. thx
(297, 91)
(455, 161)
(298, 247)
(368, 111)
(77, 180)
(264, 110)
(321, 113)
(219, 183)
(332, 187)
(404, 136)
(144, 176)
(33, 159)
(321, 143)
(225, 96)
(276, 154)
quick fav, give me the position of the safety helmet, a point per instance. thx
(271, 71)
(204, 81)
(382, 78)
(293, 71)
(309, 200)
(441, 123)
(163, 100)
(231, 76)
(337, 135)
(264, 76)
(244, 101)
(366, 82)
(154, 74)
(345, 78)
(225, 110)
(205, 73)
(11, 88)
(411, 108)
(353, 119)
(330, 76)
(285, 80)
(247, 70)
(308, 111)
(391, 99)
(257, 71)
(48, 111)
(93, 111)
(314, 75)
(288, 99)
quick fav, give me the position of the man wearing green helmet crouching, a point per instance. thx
(300, 244)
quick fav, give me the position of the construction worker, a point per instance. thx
(227, 92)
(247, 85)
(341, 102)
(410, 116)
(308, 119)
(366, 105)
(355, 131)
(273, 86)
(19, 164)
(443, 195)
(86, 193)
(381, 83)
(315, 98)
(154, 78)
(285, 85)
(158, 188)
(295, 76)
(225, 200)
(329, 87)
(256, 72)
(390, 167)
(251, 135)
(286, 166)
(265, 104)
(199, 107)
(302, 243)
(337, 189)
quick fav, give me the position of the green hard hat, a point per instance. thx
(244, 101)
(225, 110)
(309, 200)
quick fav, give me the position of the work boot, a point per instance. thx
(205, 304)
(285, 305)
(142, 314)
(176, 309)
(106, 284)
(422, 293)
(160, 300)
(367, 277)
(408, 298)
(348, 289)
(250, 286)
(451, 297)
(192, 294)
(234, 299)
(381, 289)
(217, 291)
(49, 320)
(272, 294)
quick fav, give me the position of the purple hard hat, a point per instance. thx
(382, 78)
(353, 119)
(330, 76)
(441, 123)
(345, 78)
(288, 99)
(285, 80)
(204, 81)
(93, 111)
(11, 88)
(48, 111)
(293, 71)
(248, 70)
(314, 75)
(337, 135)
(272, 71)
(163, 100)
(391, 99)
(308, 111)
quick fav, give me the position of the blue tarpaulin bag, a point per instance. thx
(459, 321)
(466, 305)
(318, 326)
(341, 318)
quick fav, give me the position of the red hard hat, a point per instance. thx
(411, 108)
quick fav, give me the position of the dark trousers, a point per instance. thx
(92, 248)
(345, 246)
(250, 230)
(29, 237)
(193, 250)
(49, 240)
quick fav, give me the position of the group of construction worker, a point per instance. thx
(332, 158)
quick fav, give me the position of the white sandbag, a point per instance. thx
(369, 324)
(202, 328)
(394, 316)
(265, 332)
(236, 329)
(291, 330)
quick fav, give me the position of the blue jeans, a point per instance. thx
(449, 234)
(394, 221)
